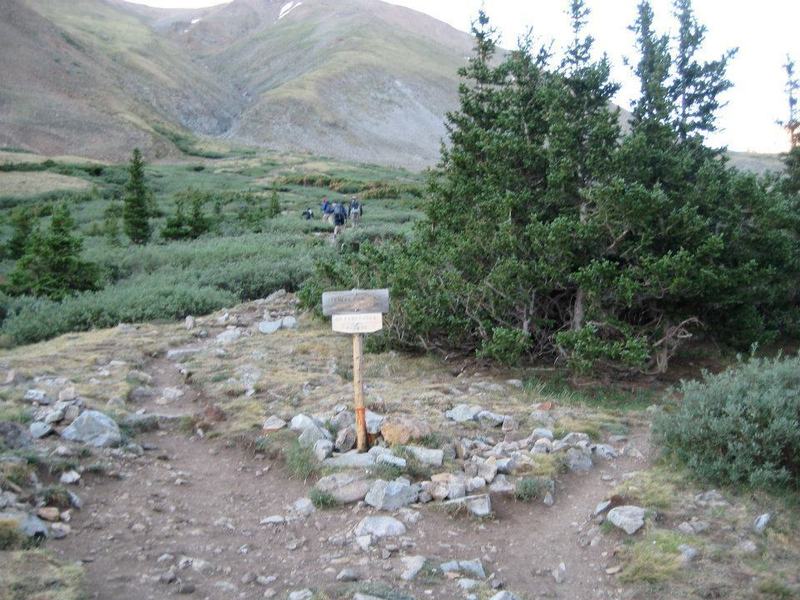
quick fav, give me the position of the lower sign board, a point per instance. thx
(358, 323)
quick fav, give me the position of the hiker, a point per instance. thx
(327, 210)
(356, 211)
(308, 214)
(339, 218)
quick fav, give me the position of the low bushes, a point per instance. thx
(740, 427)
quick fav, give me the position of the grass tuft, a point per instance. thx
(322, 500)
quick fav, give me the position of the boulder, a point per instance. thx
(761, 522)
(412, 565)
(38, 396)
(273, 423)
(401, 430)
(463, 413)
(479, 505)
(39, 429)
(345, 439)
(267, 327)
(427, 456)
(14, 436)
(489, 419)
(302, 422)
(229, 336)
(312, 435)
(468, 567)
(94, 428)
(323, 449)
(29, 525)
(380, 527)
(346, 487)
(351, 460)
(374, 422)
(289, 323)
(628, 518)
(391, 495)
(578, 460)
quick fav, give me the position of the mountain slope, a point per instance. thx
(355, 79)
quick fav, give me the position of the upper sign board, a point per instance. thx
(355, 302)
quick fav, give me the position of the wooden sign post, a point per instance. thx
(357, 312)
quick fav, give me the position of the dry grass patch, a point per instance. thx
(32, 183)
(653, 489)
(654, 558)
(29, 574)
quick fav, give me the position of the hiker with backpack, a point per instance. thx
(327, 210)
(356, 210)
(339, 218)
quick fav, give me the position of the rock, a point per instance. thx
(273, 423)
(302, 422)
(345, 439)
(68, 477)
(475, 484)
(54, 416)
(463, 413)
(312, 435)
(186, 587)
(323, 449)
(489, 419)
(289, 323)
(468, 585)
(38, 429)
(504, 595)
(710, 499)
(506, 466)
(574, 438)
(605, 451)
(345, 486)
(374, 422)
(427, 456)
(59, 531)
(628, 518)
(412, 566)
(501, 485)
(14, 436)
(49, 513)
(30, 525)
(265, 580)
(401, 430)
(342, 419)
(67, 394)
(541, 432)
(688, 554)
(347, 575)
(38, 396)
(391, 495)
(578, 460)
(542, 446)
(380, 527)
(560, 573)
(387, 458)
(273, 520)
(509, 424)
(479, 506)
(468, 567)
(267, 327)
(93, 428)
(548, 499)
(488, 470)
(456, 488)
(140, 394)
(352, 459)
(761, 522)
(601, 507)
(303, 507)
(229, 336)
(135, 377)
(301, 595)
(189, 323)
(181, 353)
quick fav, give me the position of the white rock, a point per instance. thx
(428, 456)
(229, 336)
(412, 566)
(761, 522)
(628, 518)
(380, 527)
(267, 327)
(68, 477)
(303, 507)
(273, 423)
(302, 422)
(289, 323)
(323, 449)
(463, 413)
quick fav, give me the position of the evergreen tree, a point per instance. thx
(22, 224)
(792, 125)
(51, 266)
(274, 205)
(137, 204)
(111, 224)
(177, 225)
(696, 86)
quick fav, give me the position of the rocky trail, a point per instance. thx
(476, 487)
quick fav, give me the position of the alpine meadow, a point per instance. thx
(331, 300)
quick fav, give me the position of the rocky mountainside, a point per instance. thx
(356, 79)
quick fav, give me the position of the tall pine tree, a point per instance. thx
(137, 205)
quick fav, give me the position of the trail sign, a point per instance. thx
(357, 312)
(355, 301)
(358, 323)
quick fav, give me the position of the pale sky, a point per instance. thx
(764, 30)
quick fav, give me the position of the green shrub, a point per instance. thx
(300, 461)
(11, 538)
(740, 427)
(506, 345)
(529, 489)
(321, 499)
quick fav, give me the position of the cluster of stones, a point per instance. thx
(484, 466)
